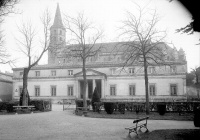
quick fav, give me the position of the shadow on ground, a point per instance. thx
(167, 134)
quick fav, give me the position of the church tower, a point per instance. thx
(57, 36)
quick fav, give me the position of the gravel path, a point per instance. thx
(62, 125)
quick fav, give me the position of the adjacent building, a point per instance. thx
(6, 86)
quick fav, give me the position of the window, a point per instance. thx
(60, 38)
(37, 91)
(173, 69)
(173, 89)
(20, 90)
(54, 38)
(70, 72)
(53, 73)
(21, 73)
(152, 89)
(37, 73)
(70, 90)
(131, 70)
(112, 70)
(60, 32)
(151, 70)
(112, 90)
(53, 90)
(54, 31)
(131, 89)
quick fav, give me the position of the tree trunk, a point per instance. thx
(24, 96)
(146, 86)
(84, 87)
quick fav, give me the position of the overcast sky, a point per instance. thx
(104, 13)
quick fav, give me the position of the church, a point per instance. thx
(62, 77)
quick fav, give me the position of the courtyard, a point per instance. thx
(59, 125)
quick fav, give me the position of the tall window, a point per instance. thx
(37, 73)
(60, 32)
(70, 90)
(37, 91)
(173, 69)
(53, 73)
(173, 89)
(152, 89)
(131, 70)
(53, 90)
(112, 90)
(131, 89)
(70, 72)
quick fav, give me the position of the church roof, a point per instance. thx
(58, 19)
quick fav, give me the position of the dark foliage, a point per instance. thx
(109, 107)
(197, 117)
(41, 105)
(79, 103)
(161, 109)
(8, 106)
(121, 108)
(95, 98)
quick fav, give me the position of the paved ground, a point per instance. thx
(62, 125)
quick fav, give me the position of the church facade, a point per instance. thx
(62, 77)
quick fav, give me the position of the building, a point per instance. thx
(62, 77)
(6, 86)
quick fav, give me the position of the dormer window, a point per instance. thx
(37, 73)
(53, 73)
(70, 72)
(112, 70)
(173, 69)
(152, 70)
(21, 73)
(131, 70)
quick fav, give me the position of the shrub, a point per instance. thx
(3, 106)
(121, 108)
(197, 117)
(161, 108)
(109, 107)
(79, 103)
(8, 106)
(41, 105)
(95, 98)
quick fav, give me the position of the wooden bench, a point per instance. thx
(24, 108)
(139, 123)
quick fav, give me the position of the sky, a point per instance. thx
(106, 14)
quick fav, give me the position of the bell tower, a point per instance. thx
(57, 36)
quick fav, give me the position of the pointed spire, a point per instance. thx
(58, 19)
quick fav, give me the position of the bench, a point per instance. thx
(139, 123)
(24, 108)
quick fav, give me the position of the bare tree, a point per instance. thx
(6, 7)
(143, 43)
(196, 73)
(85, 36)
(28, 34)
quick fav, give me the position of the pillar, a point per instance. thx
(93, 84)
